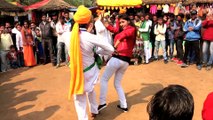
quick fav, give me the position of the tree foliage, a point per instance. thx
(25, 2)
(87, 3)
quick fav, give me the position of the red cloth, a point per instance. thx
(127, 38)
(207, 35)
(207, 113)
(36, 5)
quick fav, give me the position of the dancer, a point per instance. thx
(84, 71)
(123, 43)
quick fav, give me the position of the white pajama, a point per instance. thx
(147, 51)
(87, 43)
(80, 102)
(118, 67)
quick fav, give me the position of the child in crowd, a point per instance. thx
(12, 57)
(38, 43)
(174, 102)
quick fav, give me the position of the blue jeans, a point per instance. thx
(59, 53)
(171, 48)
(207, 47)
(163, 45)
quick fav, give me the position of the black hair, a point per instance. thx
(174, 102)
(66, 12)
(181, 15)
(12, 46)
(18, 25)
(95, 15)
(43, 15)
(1, 25)
(160, 18)
(26, 21)
(172, 16)
(83, 26)
(147, 14)
(126, 17)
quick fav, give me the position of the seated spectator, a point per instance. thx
(12, 57)
(174, 102)
(208, 108)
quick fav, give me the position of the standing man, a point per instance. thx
(160, 32)
(152, 34)
(144, 34)
(84, 71)
(54, 37)
(68, 20)
(103, 34)
(61, 28)
(46, 31)
(5, 43)
(192, 28)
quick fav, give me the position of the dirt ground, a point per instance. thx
(40, 93)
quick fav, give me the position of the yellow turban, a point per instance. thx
(82, 16)
(122, 11)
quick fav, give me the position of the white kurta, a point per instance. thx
(103, 34)
(60, 29)
(19, 42)
(87, 42)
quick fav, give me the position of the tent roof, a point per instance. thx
(36, 5)
(160, 1)
(119, 3)
(187, 2)
(5, 6)
(55, 5)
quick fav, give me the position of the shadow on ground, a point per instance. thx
(111, 112)
(11, 97)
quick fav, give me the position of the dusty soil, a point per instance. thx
(40, 93)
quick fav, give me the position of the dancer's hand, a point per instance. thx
(90, 27)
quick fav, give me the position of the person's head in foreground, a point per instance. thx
(207, 113)
(174, 102)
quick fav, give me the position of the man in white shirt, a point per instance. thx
(148, 21)
(160, 31)
(82, 52)
(19, 43)
(61, 28)
(5, 43)
(102, 33)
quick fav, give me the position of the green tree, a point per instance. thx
(87, 3)
(24, 2)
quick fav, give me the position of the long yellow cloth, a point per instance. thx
(82, 16)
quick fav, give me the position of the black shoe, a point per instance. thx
(165, 61)
(155, 59)
(101, 107)
(93, 115)
(123, 109)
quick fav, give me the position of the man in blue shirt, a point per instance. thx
(192, 28)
